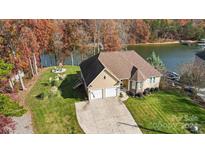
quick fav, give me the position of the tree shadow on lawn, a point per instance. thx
(153, 130)
(148, 129)
(67, 91)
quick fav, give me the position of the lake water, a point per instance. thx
(172, 55)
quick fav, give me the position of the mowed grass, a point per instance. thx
(166, 112)
(56, 112)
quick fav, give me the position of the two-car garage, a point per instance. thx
(96, 94)
(111, 92)
(104, 93)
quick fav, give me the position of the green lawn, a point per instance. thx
(166, 112)
(56, 112)
(8, 107)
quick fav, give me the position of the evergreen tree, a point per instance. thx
(155, 61)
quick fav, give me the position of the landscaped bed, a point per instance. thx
(166, 112)
(53, 109)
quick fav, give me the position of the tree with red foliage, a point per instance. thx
(43, 30)
(110, 36)
(10, 32)
(7, 125)
(93, 33)
(29, 46)
(56, 43)
(72, 36)
(124, 27)
(183, 22)
(139, 32)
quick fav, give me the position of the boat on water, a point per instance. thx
(201, 43)
(188, 42)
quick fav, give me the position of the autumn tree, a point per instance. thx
(43, 31)
(92, 33)
(10, 32)
(110, 36)
(183, 22)
(56, 42)
(123, 28)
(139, 31)
(29, 46)
(97, 35)
(73, 37)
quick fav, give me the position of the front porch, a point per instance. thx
(132, 86)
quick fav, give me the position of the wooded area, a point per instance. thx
(23, 41)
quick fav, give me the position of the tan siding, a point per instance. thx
(147, 84)
(100, 82)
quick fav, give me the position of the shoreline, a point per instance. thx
(156, 43)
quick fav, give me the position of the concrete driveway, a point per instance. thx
(108, 116)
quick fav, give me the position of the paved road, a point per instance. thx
(108, 116)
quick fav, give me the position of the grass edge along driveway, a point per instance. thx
(166, 112)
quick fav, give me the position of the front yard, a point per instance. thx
(55, 112)
(166, 112)
(161, 112)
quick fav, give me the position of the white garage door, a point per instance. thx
(110, 92)
(96, 94)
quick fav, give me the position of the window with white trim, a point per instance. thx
(133, 84)
(154, 79)
(150, 80)
(139, 85)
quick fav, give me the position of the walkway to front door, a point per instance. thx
(106, 116)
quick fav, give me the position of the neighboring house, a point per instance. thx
(107, 72)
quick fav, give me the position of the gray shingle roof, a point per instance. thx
(90, 68)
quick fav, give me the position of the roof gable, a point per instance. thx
(104, 78)
(141, 64)
(137, 75)
(117, 64)
(90, 68)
